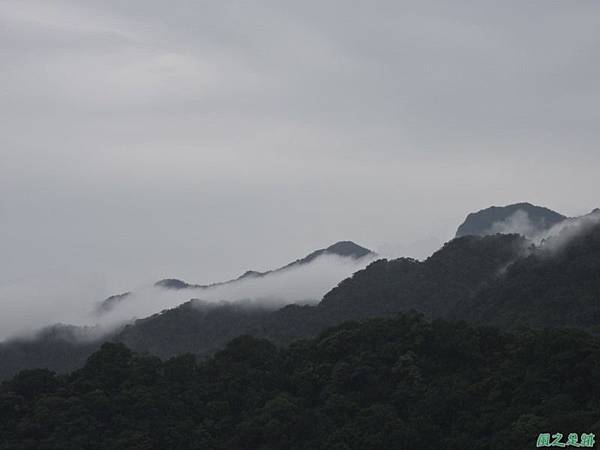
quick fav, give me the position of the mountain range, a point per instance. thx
(368, 377)
(344, 249)
(505, 280)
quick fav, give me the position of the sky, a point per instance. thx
(192, 139)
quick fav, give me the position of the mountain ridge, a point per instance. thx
(503, 280)
(456, 279)
(345, 249)
(524, 217)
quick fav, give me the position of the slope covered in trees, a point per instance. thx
(58, 347)
(556, 285)
(499, 280)
(384, 288)
(401, 383)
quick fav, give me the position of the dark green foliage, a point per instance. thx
(401, 383)
(554, 287)
(194, 327)
(55, 348)
(435, 286)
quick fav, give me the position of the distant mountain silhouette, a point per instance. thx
(347, 249)
(522, 218)
(111, 302)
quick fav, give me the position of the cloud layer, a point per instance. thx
(148, 139)
(29, 307)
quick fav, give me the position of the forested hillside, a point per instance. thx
(401, 383)
(558, 285)
(499, 280)
(434, 287)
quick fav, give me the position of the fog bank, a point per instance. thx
(28, 307)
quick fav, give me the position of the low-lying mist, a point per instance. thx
(562, 233)
(306, 283)
(549, 240)
(29, 307)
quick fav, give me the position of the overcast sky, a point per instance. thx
(145, 139)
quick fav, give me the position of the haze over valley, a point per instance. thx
(299, 225)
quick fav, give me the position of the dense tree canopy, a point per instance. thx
(401, 383)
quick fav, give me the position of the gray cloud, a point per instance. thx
(145, 139)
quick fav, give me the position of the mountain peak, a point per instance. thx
(347, 248)
(111, 302)
(522, 218)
